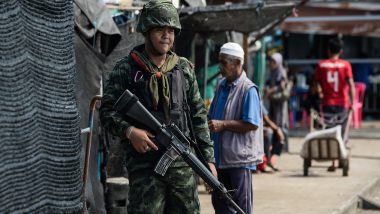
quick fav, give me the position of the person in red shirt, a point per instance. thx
(334, 76)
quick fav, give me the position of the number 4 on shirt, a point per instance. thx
(332, 77)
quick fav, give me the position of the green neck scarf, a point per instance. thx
(157, 75)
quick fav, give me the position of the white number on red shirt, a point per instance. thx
(332, 77)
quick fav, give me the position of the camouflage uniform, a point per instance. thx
(149, 192)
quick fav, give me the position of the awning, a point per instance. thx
(244, 18)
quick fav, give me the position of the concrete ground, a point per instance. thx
(289, 192)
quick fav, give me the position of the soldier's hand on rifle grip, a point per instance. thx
(140, 140)
(213, 171)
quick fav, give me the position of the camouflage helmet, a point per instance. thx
(158, 13)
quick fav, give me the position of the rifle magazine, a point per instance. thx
(165, 161)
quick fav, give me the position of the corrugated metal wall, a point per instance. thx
(39, 120)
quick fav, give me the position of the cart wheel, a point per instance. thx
(306, 164)
(309, 163)
(345, 167)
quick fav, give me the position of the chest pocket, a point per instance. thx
(140, 87)
(177, 82)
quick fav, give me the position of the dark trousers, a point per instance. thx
(240, 180)
(341, 114)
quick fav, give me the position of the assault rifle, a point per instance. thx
(172, 141)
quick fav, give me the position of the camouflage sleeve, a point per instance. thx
(114, 87)
(198, 112)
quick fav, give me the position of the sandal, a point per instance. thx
(272, 167)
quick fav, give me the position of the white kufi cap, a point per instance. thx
(233, 49)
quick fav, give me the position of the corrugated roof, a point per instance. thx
(355, 19)
(362, 5)
(245, 18)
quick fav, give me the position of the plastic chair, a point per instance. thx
(358, 104)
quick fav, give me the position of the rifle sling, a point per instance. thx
(193, 142)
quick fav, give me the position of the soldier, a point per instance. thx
(166, 85)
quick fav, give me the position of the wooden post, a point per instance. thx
(246, 54)
(205, 75)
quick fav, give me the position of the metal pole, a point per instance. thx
(88, 147)
(260, 63)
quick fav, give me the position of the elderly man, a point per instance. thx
(235, 122)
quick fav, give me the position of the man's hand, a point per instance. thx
(280, 135)
(213, 171)
(216, 125)
(140, 140)
(269, 91)
(352, 107)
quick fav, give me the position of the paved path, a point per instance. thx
(288, 192)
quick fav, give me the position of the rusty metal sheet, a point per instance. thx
(346, 25)
(359, 19)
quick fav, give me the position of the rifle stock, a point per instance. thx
(173, 141)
